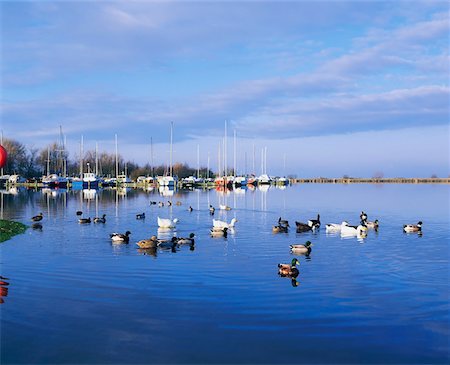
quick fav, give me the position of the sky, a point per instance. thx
(330, 88)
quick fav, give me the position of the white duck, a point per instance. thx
(224, 207)
(221, 224)
(167, 223)
(335, 227)
(348, 230)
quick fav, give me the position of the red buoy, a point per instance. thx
(3, 156)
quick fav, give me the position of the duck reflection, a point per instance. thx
(3, 289)
(148, 251)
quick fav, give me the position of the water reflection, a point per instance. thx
(3, 288)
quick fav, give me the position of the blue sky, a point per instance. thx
(338, 87)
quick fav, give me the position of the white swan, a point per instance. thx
(221, 224)
(167, 223)
(334, 227)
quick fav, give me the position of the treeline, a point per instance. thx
(32, 162)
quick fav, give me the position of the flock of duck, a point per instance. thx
(220, 229)
(344, 228)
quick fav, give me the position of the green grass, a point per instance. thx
(9, 229)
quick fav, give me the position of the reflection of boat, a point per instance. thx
(263, 187)
(166, 190)
(240, 181)
(89, 193)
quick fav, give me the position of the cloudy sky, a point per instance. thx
(332, 88)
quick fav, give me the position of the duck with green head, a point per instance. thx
(302, 248)
(289, 270)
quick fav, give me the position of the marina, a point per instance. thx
(386, 291)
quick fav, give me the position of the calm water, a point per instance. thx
(76, 298)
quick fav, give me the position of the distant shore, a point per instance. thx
(356, 180)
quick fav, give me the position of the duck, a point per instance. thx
(280, 229)
(303, 227)
(302, 248)
(363, 216)
(167, 243)
(167, 223)
(289, 269)
(190, 209)
(100, 220)
(335, 227)
(160, 204)
(408, 228)
(373, 225)
(360, 230)
(178, 203)
(169, 203)
(211, 209)
(219, 232)
(224, 207)
(37, 218)
(79, 212)
(140, 216)
(84, 220)
(153, 202)
(315, 222)
(283, 222)
(152, 242)
(222, 224)
(189, 240)
(120, 237)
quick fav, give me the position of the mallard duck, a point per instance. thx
(373, 225)
(360, 230)
(169, 203)
(189, 240)
(153, 203)
(280, 229)
(301, 248)
(219, 232)
(314, 222)
(100, 219)
(363, 216)
(37, 218)
(79, 212)
(289, 269)
(84, 220)
(160, 204)
(178, 203)
(335, 227)
(140, 216)
(283, 222)
(120, 237)
(190, 209)
(167, 223)
(211, 210)
(224, 207)
(221, 224)
(152, 242)
(408, 228)
(168, 243)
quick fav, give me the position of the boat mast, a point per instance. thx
(1, 144)
(254, 158)
(234, 151)
(48, 161)
(220, 165)
(171, 148)
(207, 168)
(117, 158)
(96, 158)
(151, 156)
(81, 157)
(198, 161)
(225, 151)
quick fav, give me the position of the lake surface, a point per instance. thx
(74, 297)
